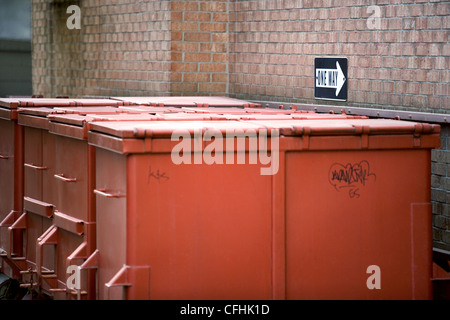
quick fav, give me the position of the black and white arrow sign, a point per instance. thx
(331, 78)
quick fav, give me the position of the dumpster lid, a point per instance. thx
(81, 119)
(124, 117)
(70, 119)
(65, 102)
(350, 126)
(191, 116)
(277, 111)
(45, 111)
(327, 134)
(217, 110)
(69, 125)
(46, 102)
(293, 116)
(149, 109)
(243, 110)
(90, 110)
(40, 111)
(87, 102)
(128, 129)
(286, 127)
(181, 101)
(10, 103)
(256, 116)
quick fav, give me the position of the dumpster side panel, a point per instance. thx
(111, 178)
(7, 176)
(50, 191)
(38, 149)
(33, 231)
(48, 261)
(204, 230)
(71, 177)
(67, 243)
(349, 213)
(33, 163)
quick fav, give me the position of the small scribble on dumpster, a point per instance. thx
(351, 177)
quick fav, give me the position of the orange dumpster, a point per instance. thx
(345, 213)
(48, 194)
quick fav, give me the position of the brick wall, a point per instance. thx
(122, 48)
(199, 47)
(403, 64)
(440, 191)
(251, 49)
(131, 47)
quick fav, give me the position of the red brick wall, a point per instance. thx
(131, 48)
(251, 49)
(122, 48)
(199, 34)
(403, 64)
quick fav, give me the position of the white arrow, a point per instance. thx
(331, 78)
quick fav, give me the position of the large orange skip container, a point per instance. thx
(52, 225)
(67, 125)
(56, 223)
(346, 215)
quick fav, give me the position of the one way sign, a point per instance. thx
(331, 78)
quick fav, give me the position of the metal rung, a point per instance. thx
(28, 285)
(47, 272)
(27, 271)
(18, 258)
(74, 292)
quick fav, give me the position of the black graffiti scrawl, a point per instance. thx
(351, 177)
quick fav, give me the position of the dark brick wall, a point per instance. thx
(440, 191)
